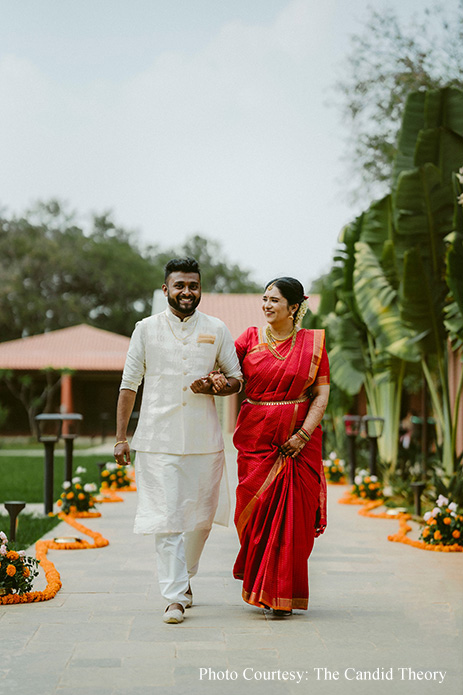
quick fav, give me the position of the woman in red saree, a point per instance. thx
(281, 493)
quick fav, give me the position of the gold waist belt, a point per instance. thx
(298, 400)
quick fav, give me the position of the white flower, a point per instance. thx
(111, 466)
(341, 463)
(75, 480)
(453, 507)
(442, 501)
(453, 514)
(90, 487)
(373, 478)
(3, 550)
(435, 511)
(387, 491)
(81, 469)
(3, 537)
(427, 516)
(66, 484)
(333, 455)
(363, 472)
(22, 553)
(358, 480)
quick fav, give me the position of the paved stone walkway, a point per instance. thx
(378, 610)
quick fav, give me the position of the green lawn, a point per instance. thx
(29, 529)
(21, 477)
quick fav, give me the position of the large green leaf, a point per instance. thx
(347, 363)
(377, 225)
(423, 217)
(422, 303)
(413, 121)
(444, 107)
(378, 304)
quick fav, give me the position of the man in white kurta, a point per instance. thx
(178, 440)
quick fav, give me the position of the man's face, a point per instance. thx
(183, 292)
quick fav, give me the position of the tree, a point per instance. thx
(387, 61)
(217, 274)
(55, 274)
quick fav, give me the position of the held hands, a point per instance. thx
(122, 453)
(214, 383)
(293, 446)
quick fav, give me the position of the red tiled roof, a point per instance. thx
(83, 348)
(239, 311)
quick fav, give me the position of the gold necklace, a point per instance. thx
(187, 335)
(272, 340)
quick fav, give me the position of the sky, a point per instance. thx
(184, 117)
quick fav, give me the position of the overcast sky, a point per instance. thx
(182, 117)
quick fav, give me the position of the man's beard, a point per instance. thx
(185, 309)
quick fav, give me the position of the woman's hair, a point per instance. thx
(292, 290)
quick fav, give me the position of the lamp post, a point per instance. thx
(374, 427)
(71, 427)
(48, 432)
(13, 509)
(352, 424)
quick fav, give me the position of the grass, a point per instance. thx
(21, 477)
(29, 529)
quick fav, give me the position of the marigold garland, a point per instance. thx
(52, 575)
(404, 529)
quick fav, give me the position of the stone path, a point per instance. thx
(379, 610)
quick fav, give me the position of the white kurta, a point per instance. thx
(178, 475)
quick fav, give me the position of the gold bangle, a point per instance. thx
(123, 441)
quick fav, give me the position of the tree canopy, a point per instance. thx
(388, 59)
(55, 273)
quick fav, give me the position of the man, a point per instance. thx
(185, 358)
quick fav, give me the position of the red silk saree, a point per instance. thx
(281, 501)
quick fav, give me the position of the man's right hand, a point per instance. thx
(122, 454)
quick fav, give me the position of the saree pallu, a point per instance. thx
(281, 501)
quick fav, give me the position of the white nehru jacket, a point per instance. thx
(170, 354)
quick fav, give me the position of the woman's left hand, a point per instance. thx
(292, 447)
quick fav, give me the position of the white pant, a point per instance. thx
(177, 560)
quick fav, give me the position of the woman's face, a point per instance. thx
(276, 307)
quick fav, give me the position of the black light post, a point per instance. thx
(13, 509)
(374, 429)
(71, 426)
(418, 489)
(49, 431)
(352, 424)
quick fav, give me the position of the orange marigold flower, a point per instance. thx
(26, 572)
(362, 487)
(81, 496)
(456, 533)
(105, 474)
(63, 495)
(70, 495)
(112, 477)
(432, 522)
(437, 535)
(372, 486)
(426, 533)
(73, 508)
(11, 570)
(447, 520)
(104, 485)
(367, 479)
(59, 503)
(12, 555)
(78, 486)
(363, 494)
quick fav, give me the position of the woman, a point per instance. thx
(281, 493)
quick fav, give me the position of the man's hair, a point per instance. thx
(183, 265)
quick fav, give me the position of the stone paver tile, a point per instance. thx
(121, 650)
(126, 677)
(160, 632)
(80, 632)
